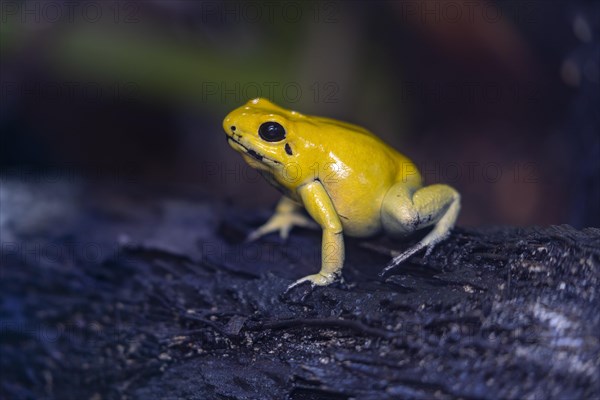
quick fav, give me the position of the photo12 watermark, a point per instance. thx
(432, 12)
(292, 92)
(54, 12)
(88, 333)
(266, 252)
(66, 91)
(470, 172)
(469, 92)
(332, 173)
(60, 254)
(71, 174)
(207, 12)
(270, 12)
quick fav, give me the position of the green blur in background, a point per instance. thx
(479, 94)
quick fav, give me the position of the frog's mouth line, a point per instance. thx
(252, 153)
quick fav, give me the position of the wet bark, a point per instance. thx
(175, 305)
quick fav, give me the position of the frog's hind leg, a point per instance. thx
(406, 210)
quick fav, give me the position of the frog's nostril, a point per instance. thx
(233, 128)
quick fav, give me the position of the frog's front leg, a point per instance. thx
(287, 215)
(407, 209)
(319, 205)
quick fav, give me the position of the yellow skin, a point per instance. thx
(348, 180)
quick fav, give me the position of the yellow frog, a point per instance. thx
(348, 180)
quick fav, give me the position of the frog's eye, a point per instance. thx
(271, 131)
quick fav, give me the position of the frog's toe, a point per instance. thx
(257, 233)
(307, 223)
(284, 232)
(282, 223)
(429, 249)
(315, 280)
(296, 220)
(407, 254)
(400, 259)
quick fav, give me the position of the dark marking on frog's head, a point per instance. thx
(288, 149)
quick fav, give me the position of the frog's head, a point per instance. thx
(263, 133)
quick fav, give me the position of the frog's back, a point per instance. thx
(359, 169)
(368, 149)
(345, 127)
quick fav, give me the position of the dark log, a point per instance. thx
(177, 306)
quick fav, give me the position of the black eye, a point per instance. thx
(271, 132)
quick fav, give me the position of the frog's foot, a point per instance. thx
(282, 222)
(399, 259)
(315, 280)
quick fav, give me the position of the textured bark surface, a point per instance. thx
(159, 297)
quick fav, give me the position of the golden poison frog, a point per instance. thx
(348, 180)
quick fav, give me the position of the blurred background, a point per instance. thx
(497, 98)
